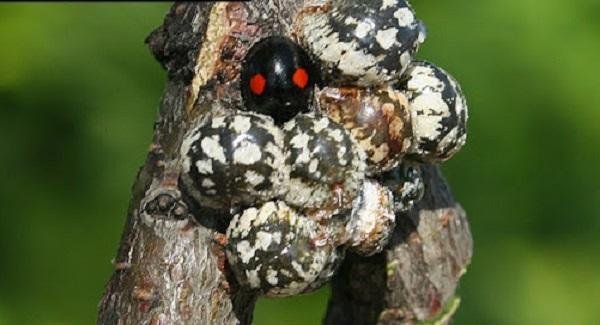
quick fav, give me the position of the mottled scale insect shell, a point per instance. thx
(278, 252)
(364, 43)
(326, 162)
(439, 112)
(234, 159)
(372, 220)
(406, 184)
(378, 119)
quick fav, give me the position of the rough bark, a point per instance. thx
(169, 267)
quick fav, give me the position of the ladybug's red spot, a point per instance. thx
(300, 78)
(257, 84)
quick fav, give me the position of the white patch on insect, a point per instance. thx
(289, 125)
(253, 178)
(218, 122)
(386, 37)
(204, 166)
(448, 140)
(289, 236)
(372, 214)
(421, 37)
(212, 148)
(276, 133)
(406, 143)
(263, 240)
(285, 273)
(346, 56)
(295, 286)
(340, 155)
(253, 278)
(277, 237)
(312, 166)
(186, 163)
(300, 141)
(245, 223)
(186, 145)
(356, 63)
(320, 124)
(330, 49)
(298, 268)
(284, 212)
(404, 16)
(315, 26)
(388, 4)
(422, 78)
(266, 211)
(207, 182)
(363, 211)
(350, 21)
(363, 28)
(241, 124)
(434, 109)
(337, 135)
(405, 59)
(292, 288)
(245, 250)
(278, 157)
(410, 187)
(301, 194)
(247, 154)
(272, 277)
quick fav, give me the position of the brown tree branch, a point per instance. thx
(169, 268)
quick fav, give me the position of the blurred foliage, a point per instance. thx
(78, 97)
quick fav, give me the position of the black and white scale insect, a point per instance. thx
(307, 171)
(322, 155)
(439, 112)
(275, 250)
(236, 159)
(364, 42)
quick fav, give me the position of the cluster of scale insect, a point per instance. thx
(305, 188)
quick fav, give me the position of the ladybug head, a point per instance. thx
(277, 78)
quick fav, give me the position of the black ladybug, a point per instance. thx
(277, 78)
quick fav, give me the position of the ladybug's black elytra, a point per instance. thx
(277, 78)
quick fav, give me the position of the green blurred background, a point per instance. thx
(78, 96)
